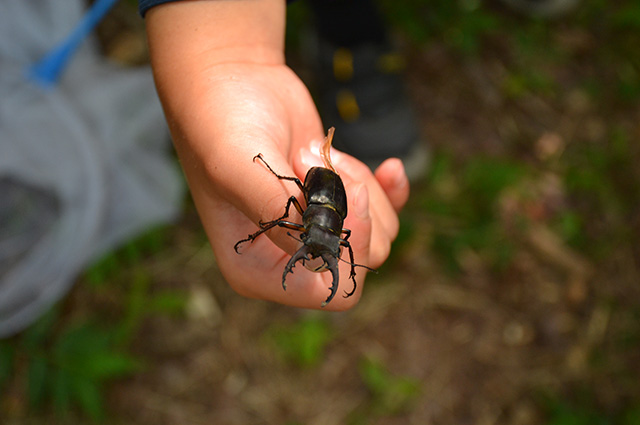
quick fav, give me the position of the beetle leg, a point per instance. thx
(292, 200)
(277, 222)
(301, 254)
(352, 275)
(332, 265)
(293, 179)
(252, 237)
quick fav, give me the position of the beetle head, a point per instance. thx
(321, 241)
(329, 262)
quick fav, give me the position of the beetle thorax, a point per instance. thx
(321, 240)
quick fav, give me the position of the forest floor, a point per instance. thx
(512, 294)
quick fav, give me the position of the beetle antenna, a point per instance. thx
(358, 265)
(295, 237)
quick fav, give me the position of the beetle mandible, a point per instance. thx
(321, 229)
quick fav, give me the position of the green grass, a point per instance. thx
(303, 342)
(64, 363)
(390, 393)
(582, 410)
(67, 367)
(461, 202)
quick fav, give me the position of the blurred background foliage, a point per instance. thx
(511, 296)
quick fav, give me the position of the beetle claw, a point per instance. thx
(301, 254)
(332, 265)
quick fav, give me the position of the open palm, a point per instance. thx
(238, 111)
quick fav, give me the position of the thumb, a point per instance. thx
(355, 251)
(358, 241)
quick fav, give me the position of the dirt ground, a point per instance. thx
(548, 335)
(478, 347)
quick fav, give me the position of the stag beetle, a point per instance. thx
(321, 229)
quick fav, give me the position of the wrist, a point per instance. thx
(193, 43)
(192, 34)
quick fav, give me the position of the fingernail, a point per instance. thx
(400, 179)
(361, 202)
(310, 156)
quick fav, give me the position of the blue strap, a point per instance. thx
(47, 70)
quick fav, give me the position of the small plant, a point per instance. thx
(602, 179)
(66, 368)
(66, 364)
(627, 17)
(463, 207)
(132, 253)
(562, 411)
(304, 342)
(461, 24)
(391, 394)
